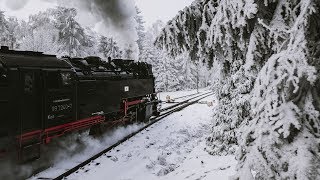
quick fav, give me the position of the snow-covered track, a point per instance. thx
(183, 102)
(188, 95)
(152, 121)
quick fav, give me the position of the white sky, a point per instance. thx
(152, 10)
(164, 10)
(31, 7)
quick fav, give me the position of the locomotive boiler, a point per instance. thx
(43, 97)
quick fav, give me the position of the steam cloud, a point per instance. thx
(65, 152)
(119, 12)
(112, 17)
(16, 4)
(117, 15)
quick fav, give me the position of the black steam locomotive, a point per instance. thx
(43, 97)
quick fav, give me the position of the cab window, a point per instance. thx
(66, 78)
(57, 79)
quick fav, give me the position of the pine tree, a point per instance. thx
(127, 52)
(4, 33)
(109, 48)
(149, 52)
(13, 27)
(39, 34)
(71, 34)
(188, 70)
(166, 74)
(165, 68)
(180, 34)
(140, 30)
(281, 141)
(91, 43)
(212, 30)
(267, 56)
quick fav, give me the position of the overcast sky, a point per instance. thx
(152, 10)
(164, 10)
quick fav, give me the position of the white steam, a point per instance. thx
(108, 17)
(75, 148)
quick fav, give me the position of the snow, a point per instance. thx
(177, 94)
(170, 149)
(173, 148)
(266, 83)
(213, 167)
(71, 152)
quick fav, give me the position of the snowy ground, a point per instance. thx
(78, 147)
(170, 149)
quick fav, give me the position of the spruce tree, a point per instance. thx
(4, 33)
(281, 140)
(267, 54)
(140, 30)
(109, 48)
(71, 34)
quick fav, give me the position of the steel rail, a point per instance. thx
(183, 102)
(153, 121)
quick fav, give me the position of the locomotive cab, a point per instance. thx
(59, 89)
(36, 94)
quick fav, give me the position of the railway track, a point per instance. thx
(184, 96)
(183, 102)
(164, 113)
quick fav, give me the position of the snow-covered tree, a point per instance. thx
(281, 141)
(267, 57)
(13, 28)
(167, 75)
(140, 29)
(180, 34)
(39, 34)
(149, 53)
(42, 40)
(217, 32)
(165, 68)
(127, 51)
(4, 33)
(91, 44)
(188, 71)
(71, 35)
(109, 48)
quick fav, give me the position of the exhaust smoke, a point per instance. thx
(110, 17)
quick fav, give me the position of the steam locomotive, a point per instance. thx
(43, 97)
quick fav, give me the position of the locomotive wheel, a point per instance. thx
(141, 115)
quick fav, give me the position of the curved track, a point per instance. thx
(186, 95)
(183, 102)
(168, 111)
